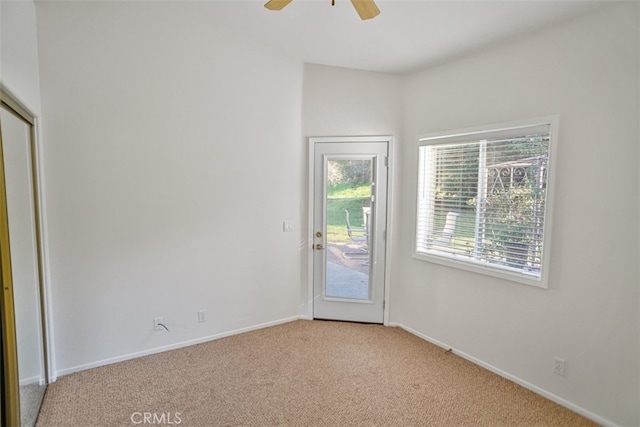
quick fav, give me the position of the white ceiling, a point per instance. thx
(407, 35)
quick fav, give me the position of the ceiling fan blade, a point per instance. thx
(367, 9)
(277, 4)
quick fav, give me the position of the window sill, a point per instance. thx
(467, 264)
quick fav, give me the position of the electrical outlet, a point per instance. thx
(202, 316)
(287, 226)
(156, 324)
(559, 366)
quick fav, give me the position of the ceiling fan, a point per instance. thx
(367, 9)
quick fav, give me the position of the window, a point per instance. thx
(483, 200)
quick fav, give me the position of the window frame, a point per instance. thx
(475, 134)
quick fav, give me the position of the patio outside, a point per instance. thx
(348, 201)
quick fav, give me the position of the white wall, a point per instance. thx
(19, 52)
(345, 102)
(173, 156)
(585, 70)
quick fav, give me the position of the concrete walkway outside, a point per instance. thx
(347, 277)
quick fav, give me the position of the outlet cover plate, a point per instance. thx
(559, 366)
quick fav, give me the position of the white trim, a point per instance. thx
(175, 346)
(474, 266)
(310, 213)
(349, 139)
(46, 297)
(32, 380)
(388, 235)
(542, 392)
(448, 135)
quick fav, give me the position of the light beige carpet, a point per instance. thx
(303, 373)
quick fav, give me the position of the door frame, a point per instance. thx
(310, 230)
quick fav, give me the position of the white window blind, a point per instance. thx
(482, 200)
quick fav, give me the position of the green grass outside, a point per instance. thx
(343, 197)
(339, 198)
(464, 233)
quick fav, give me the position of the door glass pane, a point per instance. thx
(348, 204)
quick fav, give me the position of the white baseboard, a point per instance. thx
(175, 346)
(554, 398)
(32, 380)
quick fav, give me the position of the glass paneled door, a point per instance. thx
(349, 226)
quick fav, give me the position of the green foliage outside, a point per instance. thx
(514, 220)
(513, 209)
(349, 172)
